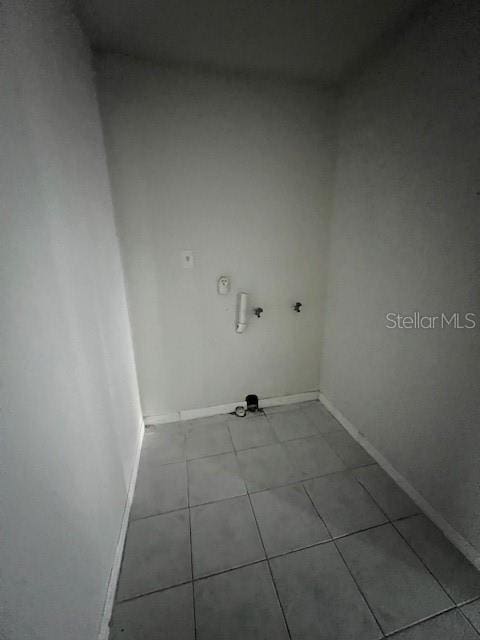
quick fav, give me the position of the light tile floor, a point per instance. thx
(281, 526)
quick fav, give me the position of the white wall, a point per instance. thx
(239, 172)
(405, 238)
(69, 403)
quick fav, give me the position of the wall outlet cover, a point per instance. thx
(223, 285)
(187, 259)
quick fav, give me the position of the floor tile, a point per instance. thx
(159, 488)
(165, 443)
(224, 535)
(321, 418)
(320, 598)
(459, 578)
(385, 492)
(253, 432)
(239, 605)
(312, 457)
(207, 440)
(448, 626)
(167, 427)
(266, 467)
(157, 554)
(352, 454)
(214, 478)
(167, 615)
(394, 581)
(287, 519)
(289, 425)
(344, 504)
(472, 611)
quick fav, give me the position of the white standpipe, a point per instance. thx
(241, 322)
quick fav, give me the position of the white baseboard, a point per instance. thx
(117, 561)
(468, 550)
(307, 396)
(162, 418)
(191, 414)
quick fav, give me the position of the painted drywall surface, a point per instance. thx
(298, 39)
(405, 238)
(70, 412)
(239, 172)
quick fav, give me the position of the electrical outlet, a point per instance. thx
(223, 285)
(187, 259)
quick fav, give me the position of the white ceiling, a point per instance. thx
(317, 39)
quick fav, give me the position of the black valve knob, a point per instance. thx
(297, 307)
(258, 311)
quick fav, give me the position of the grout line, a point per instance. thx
(392, 523)
(437, 614)
(230, 436)
(331, 540)
(270, 568)
(272, 427)
(149, 593)
(192, 582)
(282, 554)
(310, 420)
(462, 613)
(334, 540)
(276, 439)
(206, 577)
(468, 601)
(261, 446)
(191, 551)
(423, 562)
(277, 486)
(267, 558)
(453, 535)
(411, 515)
(300, 480)
(161, 513)
(301, 548)
(347, 535)
(380, 508)
(229, 570)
